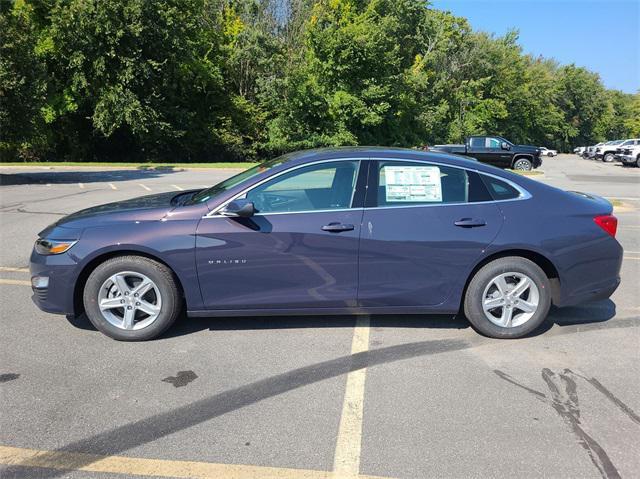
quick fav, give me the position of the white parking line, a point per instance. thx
(112, 186)
(346, 461)
(81, 185)
(178, 187)
(145, 187)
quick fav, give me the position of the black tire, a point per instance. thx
(638, 161)
(608, 158)
(474, 297)
(163, 278)
(522, 164)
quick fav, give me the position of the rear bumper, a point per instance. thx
(597, 292)
(596, 274)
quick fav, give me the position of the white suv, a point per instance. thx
(630, 155)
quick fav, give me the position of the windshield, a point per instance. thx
(208, 193)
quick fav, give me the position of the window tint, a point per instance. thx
(324, 186)
(493, 143)
(477, 142)
(406, 183)
(500, 190)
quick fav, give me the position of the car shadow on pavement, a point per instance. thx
(597, 312)
(69, 177)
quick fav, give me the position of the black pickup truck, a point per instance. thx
(496, 151)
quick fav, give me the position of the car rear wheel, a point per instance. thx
(523, 164)
(508, 298)
(131, 298)
(608, 158)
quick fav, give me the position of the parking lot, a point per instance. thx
(312, 397)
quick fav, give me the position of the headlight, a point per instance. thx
(47, 246)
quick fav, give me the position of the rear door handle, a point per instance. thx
(470, 222)
(337, 227)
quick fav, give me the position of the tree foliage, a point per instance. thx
(206, 80)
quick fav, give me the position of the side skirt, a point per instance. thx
(319, 311)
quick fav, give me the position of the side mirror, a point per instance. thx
(505, 146)
(241, 208)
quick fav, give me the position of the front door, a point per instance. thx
(300, 250)
(422, 231)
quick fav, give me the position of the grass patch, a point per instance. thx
(528, 173)
(140, 166)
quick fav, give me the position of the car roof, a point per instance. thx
(378, 152)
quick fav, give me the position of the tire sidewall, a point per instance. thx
(157, 272)
(474, 295)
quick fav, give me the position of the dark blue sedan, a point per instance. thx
(334, 231)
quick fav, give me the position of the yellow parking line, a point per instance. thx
(145, 187)
(134, 466)
(112, 186)
(346, 461)
(178, 187)
(15, 281)
(14, 270)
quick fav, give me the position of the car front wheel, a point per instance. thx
(608, 158)
(131, 298)
(508, 298)
(523, 164)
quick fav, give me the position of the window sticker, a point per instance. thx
(413, 183)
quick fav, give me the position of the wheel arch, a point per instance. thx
(539, 259)
(78, 306)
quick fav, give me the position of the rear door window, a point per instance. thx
(402, 183)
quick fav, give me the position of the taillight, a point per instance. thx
(609, 223)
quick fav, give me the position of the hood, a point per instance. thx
(528, 148)
(143, 208)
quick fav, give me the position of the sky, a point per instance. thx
(601, 35)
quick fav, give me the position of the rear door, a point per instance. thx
(424, 226)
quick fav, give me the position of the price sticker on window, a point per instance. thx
(413, 184)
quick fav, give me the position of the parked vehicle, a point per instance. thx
(624, 145)
(579, 150)
(496, 151)
(547, 152)
(591, 151)
(607, 151)
(630, 155)
(334, 231)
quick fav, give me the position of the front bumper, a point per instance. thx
(628, 159)
(56, 294)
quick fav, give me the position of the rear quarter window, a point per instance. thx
(500, 190)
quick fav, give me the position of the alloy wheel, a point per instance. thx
(510, 299)
(129, 300)
(523, 165)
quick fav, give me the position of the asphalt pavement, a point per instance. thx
(312, 397)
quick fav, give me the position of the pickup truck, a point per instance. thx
(496, 151)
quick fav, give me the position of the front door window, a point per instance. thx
(319, 187)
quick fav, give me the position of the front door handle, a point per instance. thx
(470, 222)
(337, 227)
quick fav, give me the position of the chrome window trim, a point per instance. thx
(524, 194)
(214, 213)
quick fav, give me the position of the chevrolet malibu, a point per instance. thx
(334, 231)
